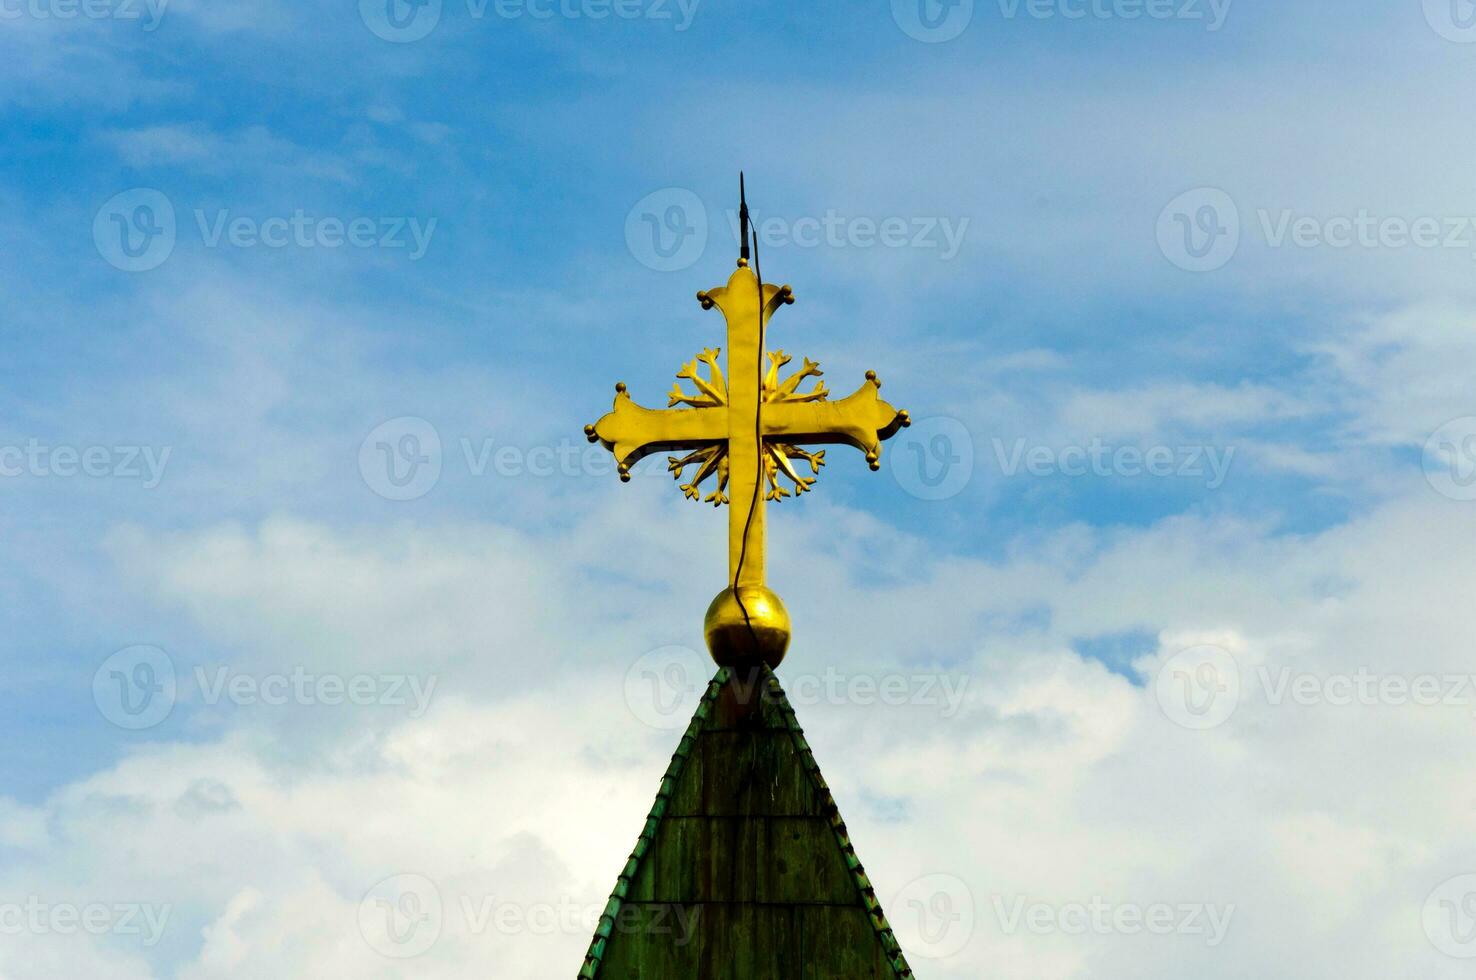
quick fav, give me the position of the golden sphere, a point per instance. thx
(735, 641)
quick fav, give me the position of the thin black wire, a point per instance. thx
(758, 443)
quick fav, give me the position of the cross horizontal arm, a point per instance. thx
(632, 432)
(862, 420)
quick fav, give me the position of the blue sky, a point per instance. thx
(1237, 239)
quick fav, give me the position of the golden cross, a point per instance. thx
(746, 430)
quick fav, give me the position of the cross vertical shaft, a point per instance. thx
(740, 305)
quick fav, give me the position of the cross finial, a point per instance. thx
(745, 431)
(742, 220)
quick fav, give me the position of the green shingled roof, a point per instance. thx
(743, 870)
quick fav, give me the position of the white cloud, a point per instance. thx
(255, 149)
(1145, 412)
(1059, 781)
(1402, 375)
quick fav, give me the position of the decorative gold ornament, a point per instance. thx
(744, 432)
(743, 633)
